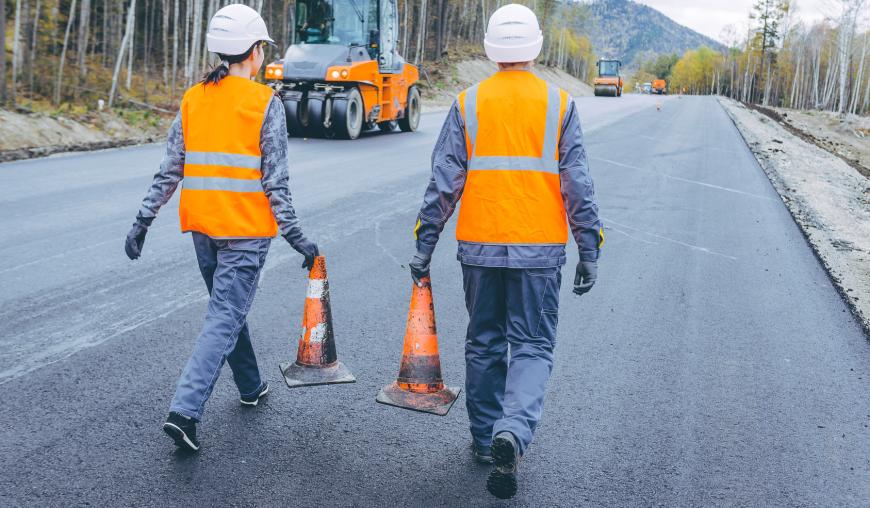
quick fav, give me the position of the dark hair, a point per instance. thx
(223, 68)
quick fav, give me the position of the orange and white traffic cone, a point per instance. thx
(419, 386)
(316, 360)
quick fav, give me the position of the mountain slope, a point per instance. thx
(633, 32)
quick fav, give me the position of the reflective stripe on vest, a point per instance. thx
(222, 195)
(512, 193)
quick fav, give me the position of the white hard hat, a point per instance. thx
(234, 29)
(513, 35)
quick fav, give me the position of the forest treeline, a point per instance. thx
(781, 61)
(146, 52)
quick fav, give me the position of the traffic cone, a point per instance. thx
(419, 386)
(316, 360)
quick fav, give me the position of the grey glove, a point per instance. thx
(587, 274)
(419, 266)
(136, 237)
(303, 246)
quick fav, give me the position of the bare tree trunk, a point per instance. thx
(856, 93)
(33, 40)
(164, 27)
(406, 29)
(3, 53)
(174, 48)
(69, 23)
(146, 46)
(82, 42)
(129, 81)
(421, 34)
(212, 7)
(127, 35)
(194, 40)
(865, 104)
(104, 47)
(844, 48)
(16, 49)
(187, 42)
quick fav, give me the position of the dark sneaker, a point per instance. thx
(253, 400)
(183, 430)
(502, 481)
(482, 454)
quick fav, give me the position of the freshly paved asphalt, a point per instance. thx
(712, 364)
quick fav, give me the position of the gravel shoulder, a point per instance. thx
(29, 135)
(829, 199)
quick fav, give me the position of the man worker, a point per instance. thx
(512, 150)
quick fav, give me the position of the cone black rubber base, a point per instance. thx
(438, 403)
(296, 375)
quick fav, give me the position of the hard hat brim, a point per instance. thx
(511, 54)
(236, 46)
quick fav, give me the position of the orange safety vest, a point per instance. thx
(512, 190)
(222, 196)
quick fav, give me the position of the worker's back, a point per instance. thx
(222, 195)
(512, 191)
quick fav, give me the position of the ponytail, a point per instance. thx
(223, 69)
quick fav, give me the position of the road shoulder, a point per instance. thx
(828, 199)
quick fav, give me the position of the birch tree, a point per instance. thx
(82, 44)
(69, 23)
(3, 55)
(127, 36)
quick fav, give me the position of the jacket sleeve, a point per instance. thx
(275, 165)
(449, 168)
(169, 175)
(578, 190)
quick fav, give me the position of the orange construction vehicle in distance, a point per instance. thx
(608, 83)
(343, 74)
(660, 86)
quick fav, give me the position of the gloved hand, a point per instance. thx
(303, 246)
(419, 266)
(136, 237)
(587, 274)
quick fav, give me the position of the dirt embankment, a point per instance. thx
(441, 94)
(26, 135)
(829, 199)
(847, 137)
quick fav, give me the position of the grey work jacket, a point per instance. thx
(449, 169)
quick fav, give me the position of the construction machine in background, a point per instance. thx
(342, 73)
(660, 86)
(609, 82)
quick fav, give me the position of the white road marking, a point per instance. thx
(698, 248)
(671, 177)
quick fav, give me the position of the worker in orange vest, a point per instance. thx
(511, 148)
(228, 149)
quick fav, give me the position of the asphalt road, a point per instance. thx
(713, 363)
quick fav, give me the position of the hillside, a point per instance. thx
(633, 32)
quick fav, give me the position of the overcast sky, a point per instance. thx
(710, 16)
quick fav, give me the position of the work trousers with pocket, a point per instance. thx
(231, 270)
(513, 314)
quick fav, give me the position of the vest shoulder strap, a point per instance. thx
(552, 127)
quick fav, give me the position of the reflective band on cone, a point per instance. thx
(316, 360)
(419, 386)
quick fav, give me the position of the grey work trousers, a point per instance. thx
(231, 270)
(505, 387)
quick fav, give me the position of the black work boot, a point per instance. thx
(182, 430)
(502, 481)
(254, 399)
(482, 454)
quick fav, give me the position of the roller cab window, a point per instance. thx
(341, 22)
